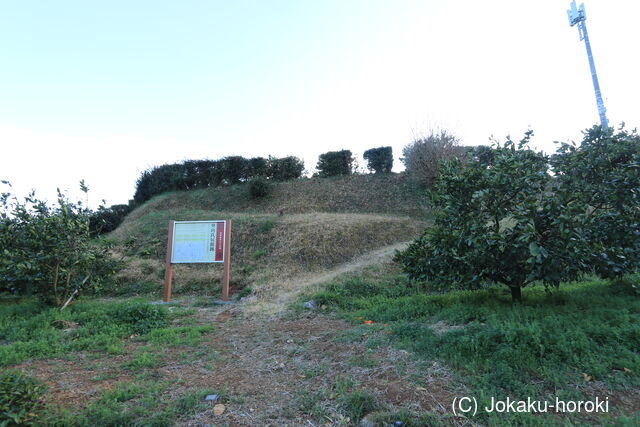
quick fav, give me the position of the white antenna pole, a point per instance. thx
(579, 16)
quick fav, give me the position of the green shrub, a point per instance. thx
(266, 226)
(333, 163)
(258, 187)
(141, 317)
(379, 160)
(20, 399)
(49, 250)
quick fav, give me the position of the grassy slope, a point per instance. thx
(302, 226)
(380, 194)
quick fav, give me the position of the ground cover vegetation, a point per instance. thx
(30, 329)
(135, 331)
(265, 247)
(576, 343)
(523, 217)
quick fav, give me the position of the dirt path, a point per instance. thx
(281, 371)
(269, 370)
(299, 372)
(274, 301)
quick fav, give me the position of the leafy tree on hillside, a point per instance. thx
(422, 157)
(511, 222)
(379, 160)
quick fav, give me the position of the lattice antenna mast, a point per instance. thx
(578, 16)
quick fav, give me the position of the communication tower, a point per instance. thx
(578, 16)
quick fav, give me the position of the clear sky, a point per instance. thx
(102, 90)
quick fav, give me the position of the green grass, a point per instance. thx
(127, 404)
(359, 403)
(536, 349)
(143, 360)
(178, 336)
(30, 330)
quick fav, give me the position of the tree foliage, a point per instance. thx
(48, 251)
(334, 163)
(284, 169)
(379, 160)
(510, 221)
(422, 157)
(603, 173)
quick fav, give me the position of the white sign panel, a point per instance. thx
(198, 241)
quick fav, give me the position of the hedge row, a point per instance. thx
(192, 174)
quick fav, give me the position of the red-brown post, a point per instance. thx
(168, 273)
(227, 261)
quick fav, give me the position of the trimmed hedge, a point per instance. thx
(333, 163)
(379, 160)
(192, 174)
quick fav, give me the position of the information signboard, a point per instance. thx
(198, 241)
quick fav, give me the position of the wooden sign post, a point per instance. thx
(198, 242)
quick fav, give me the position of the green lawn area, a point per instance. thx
(576, 343)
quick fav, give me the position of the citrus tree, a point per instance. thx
(48, 251)
(516, 221)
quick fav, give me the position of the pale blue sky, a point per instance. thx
(103, 90)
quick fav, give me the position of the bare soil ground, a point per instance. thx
(272, 372)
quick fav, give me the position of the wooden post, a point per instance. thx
(227, 261)
(168, 273)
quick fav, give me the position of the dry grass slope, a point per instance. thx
(324, 223)
(383, 194)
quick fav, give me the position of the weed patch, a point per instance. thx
(144, 360)
(359, 403)
(29, 330)
(20, 399)
(178, 336)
